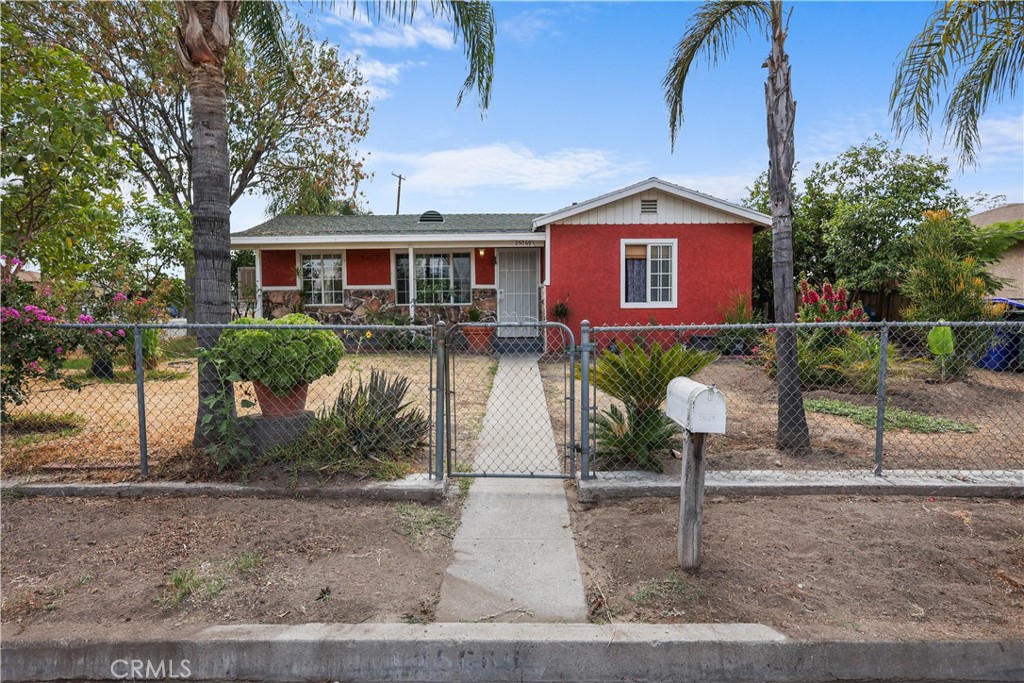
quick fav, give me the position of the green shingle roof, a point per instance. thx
(405, 224)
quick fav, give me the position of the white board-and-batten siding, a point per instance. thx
(671, 210)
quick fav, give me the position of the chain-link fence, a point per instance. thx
(510, 407)
(854, 396)
(307, 402)
(310, 402)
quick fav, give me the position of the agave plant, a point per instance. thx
(375, 421)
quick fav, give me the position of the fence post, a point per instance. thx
(585, 400)
(140, 391)
(883, 362)
(440, 398)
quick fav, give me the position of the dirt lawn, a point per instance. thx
(107, 447)
(814, 567)
(220, 560)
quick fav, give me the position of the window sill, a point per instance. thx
(667, 305)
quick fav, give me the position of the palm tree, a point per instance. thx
(973, 50)
(710, 33)
(204, 39)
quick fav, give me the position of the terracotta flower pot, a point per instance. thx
(478, 339)
(272, 405)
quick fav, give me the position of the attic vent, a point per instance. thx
(431, 217)
(648, 206)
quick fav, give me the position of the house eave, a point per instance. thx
(757, 218)
(469, 239)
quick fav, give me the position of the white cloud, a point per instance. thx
(527, 27)
(1002, 140)
(379, 76)
(731, 187)
(505, 165)
(383, 32)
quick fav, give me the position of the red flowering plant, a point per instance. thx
(33, 346)
(828, 356)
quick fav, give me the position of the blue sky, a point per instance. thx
(577, 108)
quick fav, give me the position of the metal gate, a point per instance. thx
(509, 400)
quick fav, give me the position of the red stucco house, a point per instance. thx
(650, 252)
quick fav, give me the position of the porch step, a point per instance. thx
(517, 345)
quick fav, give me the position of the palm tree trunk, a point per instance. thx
(791, 432)
(211, 220)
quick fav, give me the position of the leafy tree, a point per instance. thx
(60, 166)
(855, 216)
(308, 124)
(972, 50)
(710, 33)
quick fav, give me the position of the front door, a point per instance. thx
(518, 291)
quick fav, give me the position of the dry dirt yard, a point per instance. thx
(814, 567)
(219, 560)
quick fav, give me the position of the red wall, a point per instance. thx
(714, 260)
(278, 268)
(484, 267)
(365, 267)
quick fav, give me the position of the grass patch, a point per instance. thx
(80, 363)
(205, 582)
(30, 428)
(672, 587)
(464, 482)
(895, 418)
(422, 523)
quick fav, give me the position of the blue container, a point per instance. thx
(1002, 352)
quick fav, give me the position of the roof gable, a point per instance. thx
(676, 204)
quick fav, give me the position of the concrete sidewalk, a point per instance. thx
(515, 558)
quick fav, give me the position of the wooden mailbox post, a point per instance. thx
(699, 410)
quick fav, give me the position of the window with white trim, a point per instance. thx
(648, 274)
(322, 281)
(440, 278)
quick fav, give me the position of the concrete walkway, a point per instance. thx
(515, 558)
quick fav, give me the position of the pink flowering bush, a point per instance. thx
(33, 347)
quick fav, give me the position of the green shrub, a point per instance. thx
(831, 359)
(639, 378)
(278, 358)
(632, 440)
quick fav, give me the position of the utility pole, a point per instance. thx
(398, 204)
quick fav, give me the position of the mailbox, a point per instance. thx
(697, 408)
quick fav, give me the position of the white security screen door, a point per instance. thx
(518, 290)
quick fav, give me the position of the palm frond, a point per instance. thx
(261, 24)
(978, 47)
(710, 33)
(473, 23)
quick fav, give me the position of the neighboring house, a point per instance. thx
(1010, 265)
(651, 252)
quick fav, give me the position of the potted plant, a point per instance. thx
(560, 311)
(478, 337)
(280, 363)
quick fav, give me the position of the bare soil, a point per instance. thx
(848, 568)
(106, 561)
(107, 447)
(992, 401)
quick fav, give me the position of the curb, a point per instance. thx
(725, 653)
(415, 488)
(626, 485)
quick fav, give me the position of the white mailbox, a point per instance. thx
(697, 408)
